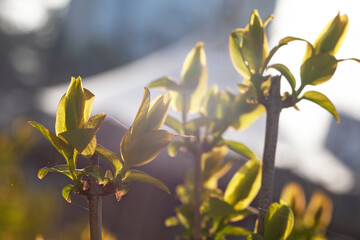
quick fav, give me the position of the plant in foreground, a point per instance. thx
(75, 134)
(250, 56)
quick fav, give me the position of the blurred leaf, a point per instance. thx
(136, 175)
(218, 208)
(60, 117)
(174, 146)
(196, 123)
(59, 144)
(174, 124)
(232, 231)
(121, 190)
(331, 38)
(286, 73)
(236, 57)
(322, 101)
(254, 236)
(95, 121)
(112, 158)
(89, 101)
(143, 149)
(171, 222)
(164, 83)
(293, 194)
(309, 47)
(279, 222)
(244, 185)
(158, 112)
(240, 148)
(318, 69)
(185, 215)
(319, 211)
(66, 192)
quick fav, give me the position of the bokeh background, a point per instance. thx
(118, 47)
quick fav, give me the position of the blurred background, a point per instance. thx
(118, 47)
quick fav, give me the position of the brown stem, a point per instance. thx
(197, 191)
(95, 203)
(273, 105)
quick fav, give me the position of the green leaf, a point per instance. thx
(232, 231)
(66, 192)
(322, 101)
(236, 57)
(286, 73)
(74, 105)
(309, 47)
(139, 122)
(95, 121)
(254, 236)
(89, 101)
(59, 144)
(244, 185)
(158, 112)
(194, 78)
(279, 222)
(240, 148)
(171, 222)
(80, 139)
(164, 83)
(174, 124)
(293, 195)
(218, 208)
(144, 148)
(331, 38)
(185, 214)
(96, 172)
(196, 123)
(63, 169)
(60, 117)
(112, 158)
(318, 69)
(136, 175)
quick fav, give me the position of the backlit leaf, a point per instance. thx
(59, 144)
(322, 101)
(332, 36)
(112, 158)
(236, 57)
(164, 83)
(174, 147)
(293, 195)
(319, 211)
(171, 222)
(286, 73)
(60, 117)
(174, 124)
(158, 112)
(240, 148)
(218, 208)
(63, 169)
(318, 69)
(80, 139)
(136, 175)
(96, 172)
(66, 192)
(309, 47)
(143, 149)
(244, 185)
(139, 123)
(89, 101)
(232, 231)
(279, 222)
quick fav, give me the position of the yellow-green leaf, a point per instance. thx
(136, 175)
(173, 147)
(318, 69)
(218, 208)
(112, 158)
(293, 194)
(332, 36)
(63, 169)
(322, 101)
(59, 144)
(139, 122)
(319, 211)
(240, 148)
(96, 172)
(232, 231)
(60, 125)
(95, 121)
(144, 148)
(236, 57)
(81, 139)
(164, 83)
(174, 124)
(89, 101)
(72, 119)
(194, 77)
(158, 112)
(286, 73)
(279, 222)
(66, 192)
(309, 47)
(244, 185)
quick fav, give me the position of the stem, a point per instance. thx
(95, 204)
(197, 191)
(273, 105)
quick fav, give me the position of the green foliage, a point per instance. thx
(279, 222)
